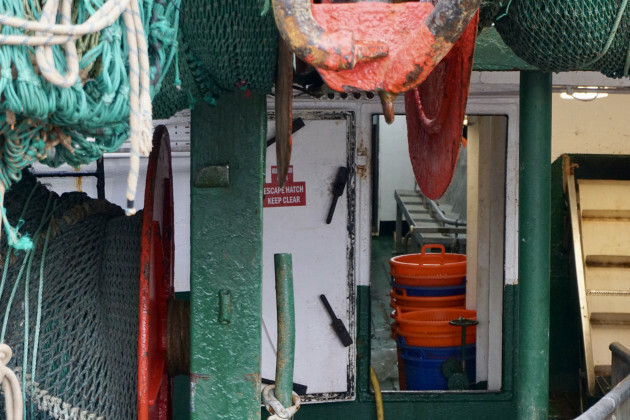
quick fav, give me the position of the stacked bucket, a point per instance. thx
(428, 295)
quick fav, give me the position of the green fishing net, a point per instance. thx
(563, 35)
(224, 46)
(69, 306)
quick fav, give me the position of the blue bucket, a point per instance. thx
(434, 291)
(435, 352)
(423, 365)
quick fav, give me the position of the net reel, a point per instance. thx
(85, 311)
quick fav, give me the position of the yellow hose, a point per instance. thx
(378, 398)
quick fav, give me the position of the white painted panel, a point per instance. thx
(395, 171)
(320, 259)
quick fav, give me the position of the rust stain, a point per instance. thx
(194, 377)
(253, 377)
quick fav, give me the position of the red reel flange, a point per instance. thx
(156, 283)
(435, 114)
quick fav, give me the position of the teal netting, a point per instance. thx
(70, 306)
(97, 105)
(75, 122)
(227, 46)
(562, 35)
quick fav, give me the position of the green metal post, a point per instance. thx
(227, 149)
(534, 244)
(286, 328)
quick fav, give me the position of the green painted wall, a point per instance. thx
(226, 258)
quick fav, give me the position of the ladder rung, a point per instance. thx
(608, 292)
(610, 318)
(605, 214)
(607, 260)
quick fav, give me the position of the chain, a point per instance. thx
(275, 408)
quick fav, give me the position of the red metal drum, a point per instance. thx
(435, 115)
(156, 283)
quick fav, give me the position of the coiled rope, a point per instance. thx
(10, 386)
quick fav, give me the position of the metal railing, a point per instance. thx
(437, 211)
(615, 405)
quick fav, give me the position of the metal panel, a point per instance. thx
(226, 266)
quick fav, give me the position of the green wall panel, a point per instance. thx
(226, 252)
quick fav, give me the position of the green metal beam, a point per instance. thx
(534, 245)
(226, 257)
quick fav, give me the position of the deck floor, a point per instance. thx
(383, 347)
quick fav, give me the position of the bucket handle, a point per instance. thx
(397, 309)
(432, 246)
(393, 295)
(396, 290)
(403, 344)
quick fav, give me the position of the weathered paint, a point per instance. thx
(433, 405)
(534, 244)
(226, 250)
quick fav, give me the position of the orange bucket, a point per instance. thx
(429, 269)
(431, 328)
(415, 303)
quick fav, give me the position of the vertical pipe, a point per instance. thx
(100, 178)
(534, 244)
(286, 328)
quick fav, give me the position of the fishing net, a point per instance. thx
(488, 10)
(561, 35)
(227, 46)
(70, 305)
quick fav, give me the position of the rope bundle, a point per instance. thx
(66, 91)
(10, 386)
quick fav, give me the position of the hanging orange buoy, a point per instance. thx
(156, 282)
(435, 115)
(373, 46)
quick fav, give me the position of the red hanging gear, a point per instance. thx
(156, 283)
(435, 115)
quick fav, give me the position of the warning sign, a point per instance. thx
(292, 194)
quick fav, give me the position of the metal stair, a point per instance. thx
(600, 221)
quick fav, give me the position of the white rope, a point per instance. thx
(13, 404)
(48, 33)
